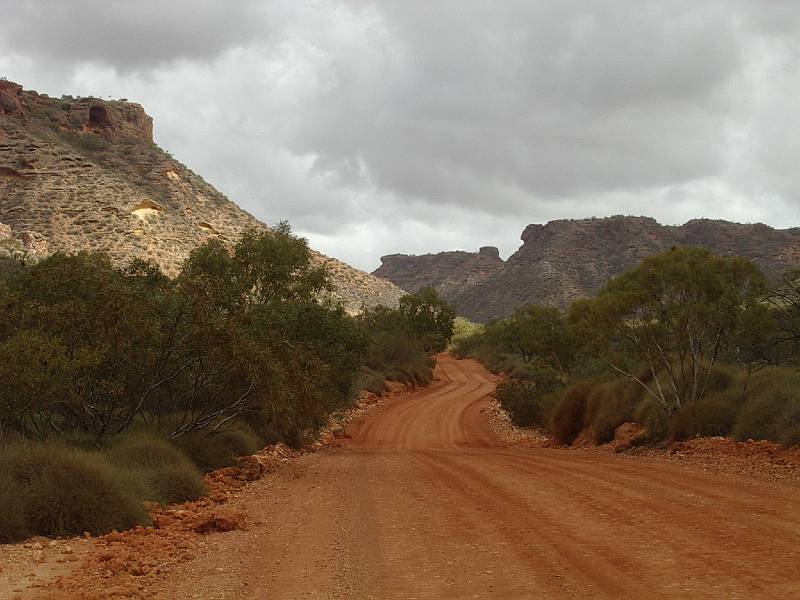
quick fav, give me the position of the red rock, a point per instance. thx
(628, 435)
(220, 521)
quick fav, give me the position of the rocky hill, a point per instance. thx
(448, 272)
(84, 173)
(568, 259)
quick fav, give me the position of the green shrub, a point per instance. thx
(422, 373)
(163, 472)
(653, 418)
(214, 450)
(526, 404)
(399, 374)
(791, 437)
(715, 414)
(772, 408)
(59, 491)
(371, 380)
(569, 415)
(241, 440)
(13, 525)
(609, 405)
(528, 395)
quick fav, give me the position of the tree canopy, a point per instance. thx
(676, 313)
(430, 317)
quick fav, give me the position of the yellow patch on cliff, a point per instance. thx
(146, 208)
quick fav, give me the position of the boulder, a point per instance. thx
(224, 520)
(626, 436)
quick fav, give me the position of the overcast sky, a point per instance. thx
(418, 126)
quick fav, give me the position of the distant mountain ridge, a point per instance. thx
(563, 260)
(85, 174)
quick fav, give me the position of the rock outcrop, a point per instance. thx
(19, 250)
(568, 259)
(84, 174)
(449, 272)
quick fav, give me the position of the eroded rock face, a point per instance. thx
(564, 260)
(451, 273)
(19, 250)
(10, 94)
(84, 174)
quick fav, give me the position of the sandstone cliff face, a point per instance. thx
(449, 272)
(84, 174)
(569, 259)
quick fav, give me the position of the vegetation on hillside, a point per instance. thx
(122, 384)
(687, 344)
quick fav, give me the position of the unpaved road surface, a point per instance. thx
(423, 502)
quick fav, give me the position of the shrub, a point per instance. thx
(654, 418)
(464, 329)
(61, 491)
(399, 374)
(609, 405)
(528, 394)
(525, 403)
(241, 440)
(791, 437)
(12, 518)
(422, 372)
(714, 414)
(415, 372)
(569, 415)
(214, 450)
(163, 472)
(772, 408)
(371, 380)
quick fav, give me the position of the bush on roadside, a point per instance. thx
(791, 437)
(653, 418)
(214, 450)
(371, 381)
(772, 408)
(168, 475)
(609, 405)
(529, 395)
(56, 490)
(713, 415)
(525, 404)
(569, 416)
(12, 518)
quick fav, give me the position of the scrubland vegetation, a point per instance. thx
(121, 385)
(687, 344)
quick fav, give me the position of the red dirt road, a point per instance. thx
(423, 502)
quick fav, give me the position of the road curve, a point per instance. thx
(424, 502)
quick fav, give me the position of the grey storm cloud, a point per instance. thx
(129, 34)
(416, 126)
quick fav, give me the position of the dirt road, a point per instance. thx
(423, 502)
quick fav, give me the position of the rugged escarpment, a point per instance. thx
(85, 174)
(568, 259)
(449, 272)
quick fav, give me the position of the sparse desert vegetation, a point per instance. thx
(687, 344)
(121, 385)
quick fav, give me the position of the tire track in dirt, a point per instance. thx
(424, 502)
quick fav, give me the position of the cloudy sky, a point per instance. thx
(417, 125)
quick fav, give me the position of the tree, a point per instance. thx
(260, 335)
(105, 327)
(430, 317)
(676, 313)
(784, 300)
(538, 334)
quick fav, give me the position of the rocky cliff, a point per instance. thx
(84, 173)
(448, 272)
(568, 259)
